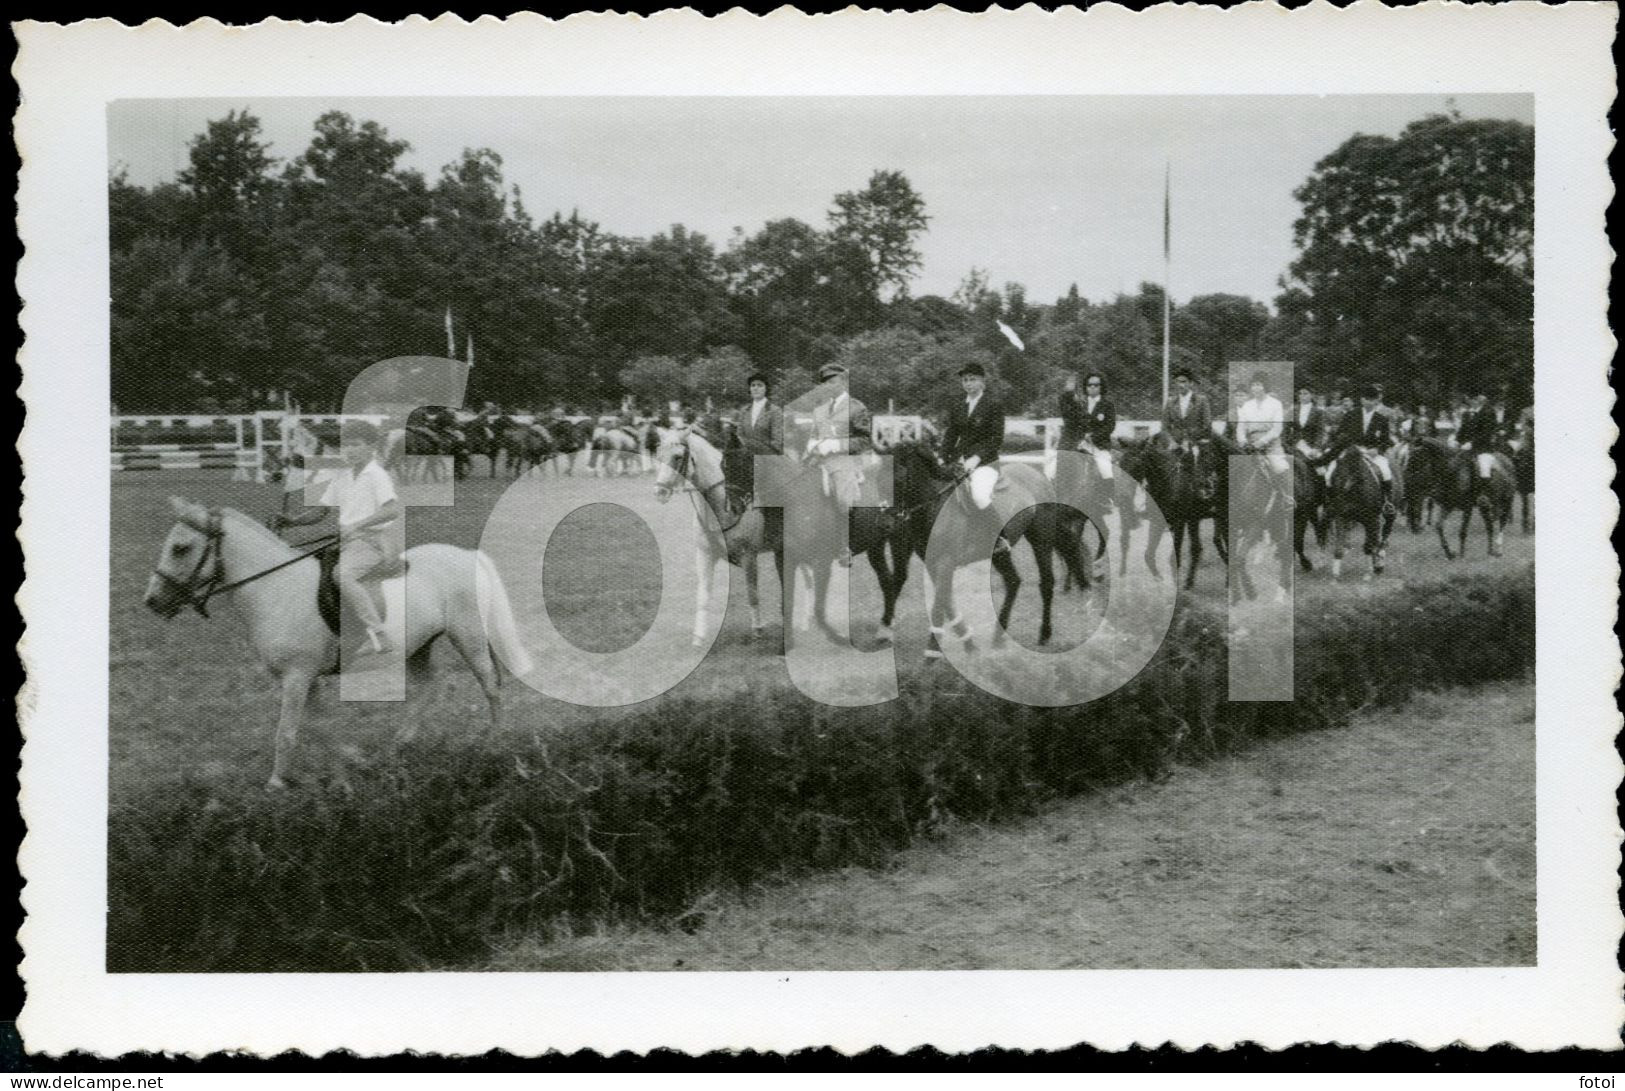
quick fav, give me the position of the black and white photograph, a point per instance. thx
(620, 533)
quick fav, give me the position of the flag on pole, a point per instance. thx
(451, 342)
(1010, 335)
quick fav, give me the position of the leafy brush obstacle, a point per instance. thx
(423, 862)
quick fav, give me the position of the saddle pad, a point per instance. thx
(327, 591)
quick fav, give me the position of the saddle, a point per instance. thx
(328, 602)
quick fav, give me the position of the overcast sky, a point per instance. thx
(1047, 191)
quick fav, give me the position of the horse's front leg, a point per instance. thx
(1195, 531)
(1045, 560)
(888, 589)
(786, 601)
(295, 692)
(704, 573)
(1005, 566)
(753, 593)
(1124, 531)
(1444, 543)
(941, 591)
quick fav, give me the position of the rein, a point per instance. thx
(197, 594)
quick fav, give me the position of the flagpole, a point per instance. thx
(1167, 271)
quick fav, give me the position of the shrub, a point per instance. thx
(420, 861)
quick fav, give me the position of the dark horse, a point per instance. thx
(430, 430)
(1355, 498)
(522, 446)
(1079, 479)
(1450, 477)
(948, 534)
(1263, 512)
(1185, 489)
(1523, 467)
(882, 535)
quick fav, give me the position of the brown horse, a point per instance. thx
(1186, 489)
(1355, 498)
(1079, 480)
(949, 534)
(1451, 478)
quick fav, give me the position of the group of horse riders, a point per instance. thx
(838, 439)
(1322, 434)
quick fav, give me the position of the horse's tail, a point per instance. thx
(496, 611)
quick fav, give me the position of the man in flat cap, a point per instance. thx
(842, 441)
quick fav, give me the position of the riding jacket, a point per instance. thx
(765, 434)
(1192, 423)
(1080, 420)
(977, 432)
(1352, 431)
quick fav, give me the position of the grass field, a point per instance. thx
(188, 699)
(1404, 840)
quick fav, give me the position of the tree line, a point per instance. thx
(247, 276)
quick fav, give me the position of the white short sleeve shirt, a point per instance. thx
(358, 496)
(1258, 415)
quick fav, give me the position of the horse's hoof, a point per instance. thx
(1000, 639)
(1306, 564)
(883, 634)
(276, 784)
(697, 642)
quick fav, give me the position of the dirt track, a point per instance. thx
(1405, 840)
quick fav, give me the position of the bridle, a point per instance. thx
(679, 464)
(196, 592)
(192, 591)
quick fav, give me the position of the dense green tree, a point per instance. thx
(878, 226)
(1416, 256)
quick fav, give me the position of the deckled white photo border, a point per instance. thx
(68, 75)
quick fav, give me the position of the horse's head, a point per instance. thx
(683, 454)
(188, 561)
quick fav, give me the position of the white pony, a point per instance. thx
(455, 593)
(686, 461)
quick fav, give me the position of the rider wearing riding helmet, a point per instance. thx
(973, 438)
(1485, 431)
(1368, 431)
(1187, 418)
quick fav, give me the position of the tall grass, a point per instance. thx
(421, 861)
